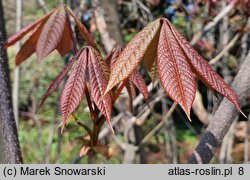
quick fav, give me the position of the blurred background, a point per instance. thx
(219, 31)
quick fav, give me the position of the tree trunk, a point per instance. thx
(223, 118)
(107, 22)
(9, 144)
(112, 20)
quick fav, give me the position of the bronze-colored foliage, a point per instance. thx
(135, 79)
(174, 72)
(98, 74)
(19, 35)
(132, 54)
(204, 71)
(176, 63)
(29, 47)
(138, 81)
(149, 58)
(131, 92)
(75, 86)
(53, 31)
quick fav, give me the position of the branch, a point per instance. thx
(160, 125)
(102, 26)
(211, 24)
(199, 108)
(145, 111)
(223, 118)
(225, 50)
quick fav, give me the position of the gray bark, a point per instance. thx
(112, 19)
(107, 22)
(223, 118)
(246, 147)
(9, 145)
(2, 25)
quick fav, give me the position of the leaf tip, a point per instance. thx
(187, 112)
(62, 126)
(241, 112)
(111, 126)
(189, 118)
(238, 108)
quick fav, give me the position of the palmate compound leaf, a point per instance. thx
(29, 47)
(203, 70)
(75, 86)
(98, 73)
(20, 34)
(56, 33)
(186, 60)
(175, 74)
(132, 54)
(51, 33)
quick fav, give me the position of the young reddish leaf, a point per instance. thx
(29, 47)
(20, 34)
(132, 54)
(104, 67)
(134, 80)
(174, 71)
(98, 70)
(65, 45)
(153, 72)
(113, 56)
(149, 59)
(131, 92)
(84, 32)
(57, 81)
(137, 79)
(74, 88)
(52, 33)
(203, 70)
